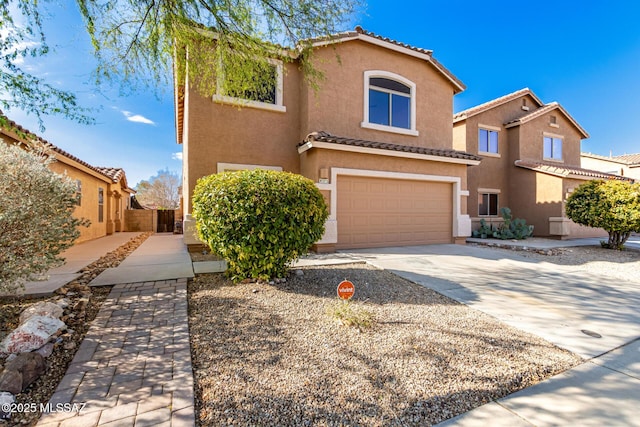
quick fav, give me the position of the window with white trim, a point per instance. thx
(487, 141)
(552, 149)
(268, 96)
(390, 103)
(488, 204)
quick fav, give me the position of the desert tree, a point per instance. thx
(161, 191)
(22, 37)
(135, 43)
(36, 214)
(612, 205)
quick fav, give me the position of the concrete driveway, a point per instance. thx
(585, 314)
(592, 316)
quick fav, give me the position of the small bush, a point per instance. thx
(348, 314)
(611, 205)
(259, 221)
(512, 228)
(484, 231)
(509, 229)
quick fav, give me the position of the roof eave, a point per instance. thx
(425, 55)
(382, 152)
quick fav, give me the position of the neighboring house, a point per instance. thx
(530, 162)
(103, 193)
(376, 138)
(627, 165)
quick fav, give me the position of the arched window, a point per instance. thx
(389, 103)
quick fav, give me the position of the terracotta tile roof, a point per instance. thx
(359, 30)
(544, 110)
(462, 115)
(566, 171)
(113, 174)
(630, 159)
(362, 34)
(116, 174)
(326, 137)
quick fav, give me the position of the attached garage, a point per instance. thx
(378, 212)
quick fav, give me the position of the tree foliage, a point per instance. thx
(137, 40)
(161, 191)
(36, 215)
(611, 205)
(21, 37)
(258, 220)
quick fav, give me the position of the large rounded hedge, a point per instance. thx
(258, 220)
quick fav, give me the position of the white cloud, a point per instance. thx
(137, 118)
(177, 156)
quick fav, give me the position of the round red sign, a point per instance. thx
(346, 289)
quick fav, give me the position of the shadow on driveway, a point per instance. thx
(557, 302)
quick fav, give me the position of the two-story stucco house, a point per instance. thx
(376, 138)
(530, 162)
(102, 192)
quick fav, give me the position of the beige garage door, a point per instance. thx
(376, 212)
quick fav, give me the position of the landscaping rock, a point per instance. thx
(11, 381)
(45, 350)
(43, 308)
(6, 399)
(31, 335)
(19, 373)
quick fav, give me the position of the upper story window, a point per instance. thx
(267, 94)
(487, 141)
(552, 149)
(389, 103)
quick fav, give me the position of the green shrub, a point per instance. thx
(611, 205)
(484, 231)
(509, 229)
(512, 228)
(259, 221)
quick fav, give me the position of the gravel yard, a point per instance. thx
(84, 305)
(619, 265)
(273, 354)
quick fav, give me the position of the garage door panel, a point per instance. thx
(384, 212)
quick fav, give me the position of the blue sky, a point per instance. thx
(584, 55)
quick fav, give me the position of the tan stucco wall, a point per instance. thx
(532, 135)
(493, 172)
(141, 220)
(460, 136)
(223, 133)
(338, 108)
(536, 197)
(89, 204)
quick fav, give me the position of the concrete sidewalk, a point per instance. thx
(133, 367)
(76, 258)
(161, 257)
(562, 304)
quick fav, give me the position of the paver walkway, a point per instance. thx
(134, 366)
